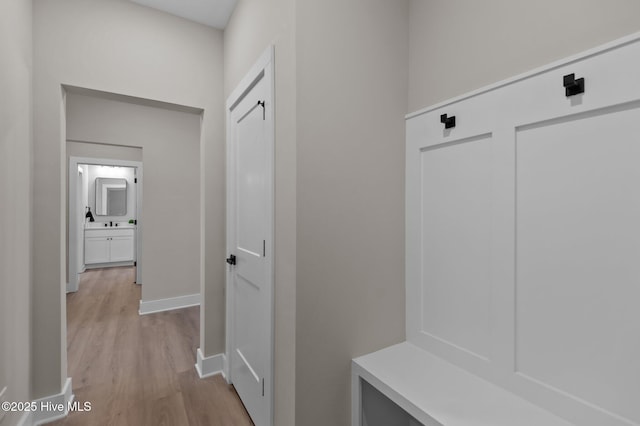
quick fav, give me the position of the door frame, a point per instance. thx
(262, 69)
(72, 284)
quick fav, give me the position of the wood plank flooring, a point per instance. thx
(139, 370)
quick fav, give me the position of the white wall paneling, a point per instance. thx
(523, 238)
(456, 226)
(577, 245)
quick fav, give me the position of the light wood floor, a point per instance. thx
(139, 370)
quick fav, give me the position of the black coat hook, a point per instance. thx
(448, 122)
(572, 86)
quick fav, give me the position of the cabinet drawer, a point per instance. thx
(108, 232)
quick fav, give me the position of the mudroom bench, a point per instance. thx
(522, 246)
(404, 385)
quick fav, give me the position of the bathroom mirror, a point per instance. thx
(111, 196)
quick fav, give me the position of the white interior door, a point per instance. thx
(250, 230)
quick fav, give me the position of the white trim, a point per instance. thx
(40, 417)
(557, 64)
(169, 304)
(3, 413)
(247, 82)
(25, 420)
(108, 265)
(262, 69)
(210, 365)
(138, 173)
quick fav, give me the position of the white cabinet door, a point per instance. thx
(96, 250)
(109, 245)
(121, 248)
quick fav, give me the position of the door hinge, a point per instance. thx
(264, 110)
(135, 180)
(264, 248)
(262, 387)
(231, 260)
(135, 263)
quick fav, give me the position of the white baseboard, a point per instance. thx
(48, 408)
(160, 305)
(25, 420)
(107, 265)
(209, 366)
(70, 289)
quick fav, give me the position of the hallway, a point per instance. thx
(138, 370)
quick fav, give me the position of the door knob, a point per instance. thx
(231, 260)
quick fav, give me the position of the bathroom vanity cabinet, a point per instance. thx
(111, 245)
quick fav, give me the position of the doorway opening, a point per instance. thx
(163, 336)
(105, 216)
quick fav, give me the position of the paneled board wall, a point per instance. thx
(523, 234)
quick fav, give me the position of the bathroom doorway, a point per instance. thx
(105, 216)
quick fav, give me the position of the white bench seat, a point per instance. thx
(437, 393)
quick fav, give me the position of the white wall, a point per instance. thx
(461, 45)
(254, 25)
(120, 47)
(351, 66)
(15, 200)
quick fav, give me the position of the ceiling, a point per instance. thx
(214, 13)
